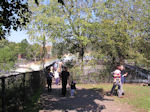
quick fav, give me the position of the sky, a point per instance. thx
(18, 36)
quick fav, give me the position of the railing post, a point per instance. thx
(23, 81)
(148, 79)
(3, 95)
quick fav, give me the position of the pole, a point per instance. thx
(3, 95)
(23, 80)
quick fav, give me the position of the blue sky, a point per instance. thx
(18, 36)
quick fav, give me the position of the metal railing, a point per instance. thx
(16, 90)
(103, 76)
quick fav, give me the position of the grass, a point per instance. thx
(135, 95)
(138, 96)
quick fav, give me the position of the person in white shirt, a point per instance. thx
(117, 81)
(56, 76)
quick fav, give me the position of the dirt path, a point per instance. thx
(86, 100)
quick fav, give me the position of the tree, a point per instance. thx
(23, 48)
(8, 55)
(59, 49)
(10, 50)
(142, 32)
(34, 52)
(14, 14)
(121, 26)
(64, 24)
(115, 29)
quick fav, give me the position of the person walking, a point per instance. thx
(49, 79)
(64, 76)
(117, 81)
(56, 76)
(123, 75)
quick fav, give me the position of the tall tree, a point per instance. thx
(116, 29)
(23, 47)
(33, 52)
(8, 55)
(65, 24)
(120, 26)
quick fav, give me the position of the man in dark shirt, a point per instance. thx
(123, 75)
(49, 79)
(64, 76)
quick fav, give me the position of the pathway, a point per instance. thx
(86, 100)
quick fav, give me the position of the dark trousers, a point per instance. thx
(49, 83)
(113, 88)
(64, 89)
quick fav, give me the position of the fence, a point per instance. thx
(96, 76)
(104, 76)
(17, 89)
(100, 78)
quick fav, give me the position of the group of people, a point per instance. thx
(118, 80)
(58, 71)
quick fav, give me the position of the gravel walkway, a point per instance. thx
(86, 100)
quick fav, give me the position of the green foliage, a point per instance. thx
(117, 29)
(7, 55)
(13, 15)
(23, 45)
(63, 24)
(114, 31)
(122, 31)
(33, 52)
(33, 106)
(59, 49)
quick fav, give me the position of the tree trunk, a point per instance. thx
(35, 59)
(121, 60)
(43, 52)
(81, 53)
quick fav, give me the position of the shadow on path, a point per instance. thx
(85, 100)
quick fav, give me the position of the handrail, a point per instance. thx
(35, 80)
(28, 70)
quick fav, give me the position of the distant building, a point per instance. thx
(19, 56)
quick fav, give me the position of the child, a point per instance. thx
(73, 88)
(117, 81)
